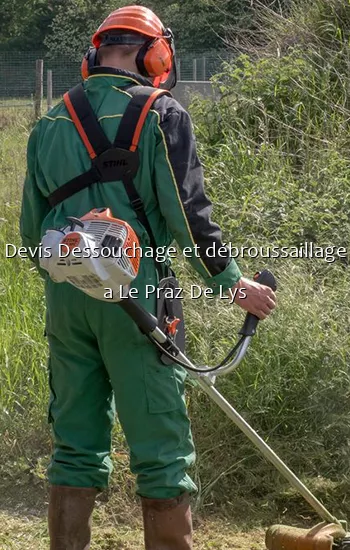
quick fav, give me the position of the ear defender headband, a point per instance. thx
(89, 61)
(109, 39)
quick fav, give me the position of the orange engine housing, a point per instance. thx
(131, 245)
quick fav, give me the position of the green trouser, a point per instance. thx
(99, 364)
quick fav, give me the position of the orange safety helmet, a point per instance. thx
(156, 57)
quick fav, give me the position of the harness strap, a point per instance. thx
(130, 127)
(74, 186)
(85, 121)
(139, 210)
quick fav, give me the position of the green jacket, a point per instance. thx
(169, 180)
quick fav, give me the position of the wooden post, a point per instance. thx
(39, 87)
(49, 89)
(204, 68)
(179, 69)
(195, 70)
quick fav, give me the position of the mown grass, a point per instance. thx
(275, 150)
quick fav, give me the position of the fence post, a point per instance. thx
(179, 69)
(195, 70)
(49, 89)
(204, 68)
(39, 87)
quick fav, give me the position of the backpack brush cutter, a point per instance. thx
(79, 255)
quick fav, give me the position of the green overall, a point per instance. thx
(100, 364)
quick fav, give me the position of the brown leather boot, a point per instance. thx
(167, 523)
(70, 511)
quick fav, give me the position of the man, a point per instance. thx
(99, 361)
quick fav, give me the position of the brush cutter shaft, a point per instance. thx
(264, 448)
(148, 325)
(206, 384)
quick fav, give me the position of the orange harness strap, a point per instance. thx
(142, 118)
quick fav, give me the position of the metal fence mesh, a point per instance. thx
(17, 69)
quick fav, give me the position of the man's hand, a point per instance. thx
(260, 299)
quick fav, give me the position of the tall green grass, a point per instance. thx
(275, 145)
(276, 152)
(23, 380)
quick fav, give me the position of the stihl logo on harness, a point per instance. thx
(114, 163)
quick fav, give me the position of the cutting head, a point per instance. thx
(324, 536)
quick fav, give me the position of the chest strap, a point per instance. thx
(117, 161)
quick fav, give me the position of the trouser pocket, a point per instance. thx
(162, 389)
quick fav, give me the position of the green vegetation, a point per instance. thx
(67, 25)
(275, 145)
(276, 151)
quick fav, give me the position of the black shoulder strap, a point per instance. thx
(142, 100)
(85, 119)
(128, 136)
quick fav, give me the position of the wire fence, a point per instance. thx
(18, 73)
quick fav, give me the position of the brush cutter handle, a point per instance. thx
(251, 321)
(146, 322)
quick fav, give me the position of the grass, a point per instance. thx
(117, 525)
(275, 149)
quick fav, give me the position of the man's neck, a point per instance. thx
(102, 69)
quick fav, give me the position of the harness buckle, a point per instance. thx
(171, 325)
(137, 204)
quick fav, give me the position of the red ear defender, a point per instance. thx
(84, 68)
(155, 57)
(89, 61)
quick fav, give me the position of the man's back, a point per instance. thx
(169, 180)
